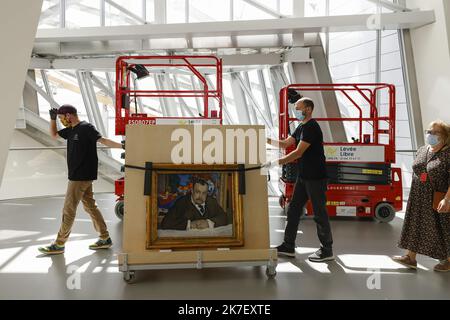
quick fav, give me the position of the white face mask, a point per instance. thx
(300, 115)
(432, 140)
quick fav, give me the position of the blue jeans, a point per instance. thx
(315, 191)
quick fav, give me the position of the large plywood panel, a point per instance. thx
(153, 144)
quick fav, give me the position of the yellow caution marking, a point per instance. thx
(372, 171)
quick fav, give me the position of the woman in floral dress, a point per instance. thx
(425, 230)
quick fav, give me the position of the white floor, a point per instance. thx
(362, 270)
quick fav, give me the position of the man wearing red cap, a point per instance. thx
(82, 164)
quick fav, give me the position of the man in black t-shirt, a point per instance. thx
(311, 181)
(82, 163)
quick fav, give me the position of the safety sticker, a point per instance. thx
(372, 171)
(346, 211)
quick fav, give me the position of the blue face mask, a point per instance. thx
(299, 115)
(432, 140)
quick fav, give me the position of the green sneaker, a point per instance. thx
(101, 244)
(52, 249)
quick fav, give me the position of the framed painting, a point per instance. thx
(194, 206)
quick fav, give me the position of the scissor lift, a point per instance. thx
(127, 96)
(362, 182)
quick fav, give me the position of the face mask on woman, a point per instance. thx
(432, 139)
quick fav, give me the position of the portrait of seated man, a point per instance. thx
(195, 210)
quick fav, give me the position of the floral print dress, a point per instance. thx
(426, 231)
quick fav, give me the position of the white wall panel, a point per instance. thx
(17, 35)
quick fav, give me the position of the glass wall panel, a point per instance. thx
(82, 13)
(203, 11)
(115, 17)
(176, 11)
(50, 14)
(245, 11)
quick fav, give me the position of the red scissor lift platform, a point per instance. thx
(362, 182)
(127, 95)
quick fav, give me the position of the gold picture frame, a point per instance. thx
(227, 196)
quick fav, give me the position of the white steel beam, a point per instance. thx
(389, 21)
(298, 37)
(108, 64)
(163, 103)
(251, 59)
(109, 81)
(45, 81)
(144, 9)
(239, 101)
(245, 82)
(94, 103)
(62, 13)
(265, 95)
(41, 91)
(255, 106)
(196, 86)
(185, 108)
(84, 95)
(102, 13)
(160, 9)
(102, 86)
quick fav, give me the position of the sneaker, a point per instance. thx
(52, 249)
(283, 250)
(321, 256)
(101, 244)
(443, 266)
(406, 261)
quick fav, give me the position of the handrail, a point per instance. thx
(192, 63)
(368, 94)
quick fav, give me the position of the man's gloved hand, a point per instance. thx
(53, 113)
(270, 164)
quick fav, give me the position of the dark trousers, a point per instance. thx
(315, 191)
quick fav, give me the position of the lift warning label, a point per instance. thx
(346, 211)
(351, 153)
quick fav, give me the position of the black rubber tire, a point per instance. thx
(384, 212)
(118, 209)
(282, 201)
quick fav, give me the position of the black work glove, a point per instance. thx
(53, 113)
(293, 96)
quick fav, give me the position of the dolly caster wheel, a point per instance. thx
(129, 276)
(271, 272)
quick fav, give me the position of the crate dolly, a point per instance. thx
(362, 181)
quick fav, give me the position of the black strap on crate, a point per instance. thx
(241, 169)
